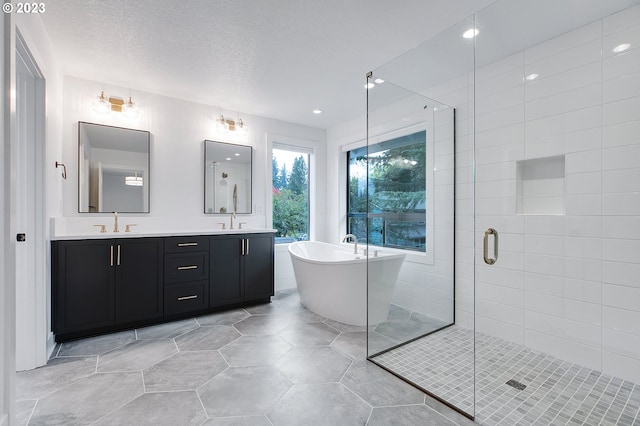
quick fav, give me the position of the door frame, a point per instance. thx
(7, 247)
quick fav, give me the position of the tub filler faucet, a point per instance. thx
(355, 242)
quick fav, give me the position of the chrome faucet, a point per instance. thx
(233, 216)
(115, 224)
(355, 242)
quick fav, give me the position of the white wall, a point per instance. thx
(178, 130)
(565, 284)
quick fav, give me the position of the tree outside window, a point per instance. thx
(387, 186)
(290, 188)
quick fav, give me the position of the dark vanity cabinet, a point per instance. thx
(101, 284)
(241, 268)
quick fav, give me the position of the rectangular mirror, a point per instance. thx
(227, 178)
(113, 169)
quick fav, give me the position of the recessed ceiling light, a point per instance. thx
(621, 47)
(470, 33)
(228, 159)
(378, 81)
(369, 86)
(531, 77)
(317, 111)
(236, 154)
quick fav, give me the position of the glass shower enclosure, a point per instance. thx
(520, 302)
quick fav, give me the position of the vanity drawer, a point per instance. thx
(179, 267)
(186, 297)
(186, 244)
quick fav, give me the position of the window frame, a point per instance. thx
(428, 255)
(298, 146)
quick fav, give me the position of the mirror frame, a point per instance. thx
(148, 184)
(207, 143)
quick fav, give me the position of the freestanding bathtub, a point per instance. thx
(332, 281)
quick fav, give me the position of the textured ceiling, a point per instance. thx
(273, 58)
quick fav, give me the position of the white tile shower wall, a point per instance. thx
(564, 284)
(459, 93)
(426, 288)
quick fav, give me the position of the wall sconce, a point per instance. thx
(130, 110)
(102, 105)
(225, 125)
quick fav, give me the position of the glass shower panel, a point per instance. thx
(403, 182)
(420, 104)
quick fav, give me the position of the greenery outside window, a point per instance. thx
(290, 191)
(387, 186)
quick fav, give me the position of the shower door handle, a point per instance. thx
(490, 260)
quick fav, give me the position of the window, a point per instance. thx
(393, 187)
(290, 188)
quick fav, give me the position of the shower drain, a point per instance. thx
(516, 384)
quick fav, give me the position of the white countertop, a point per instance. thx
(106, 235)
(83, 228)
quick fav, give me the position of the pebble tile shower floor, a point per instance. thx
(273, 364)
(557, 392)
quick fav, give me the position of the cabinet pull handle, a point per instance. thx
(243, 246)
(111, 256)
(187, 244)
(118, 256)
(488, 260)
(180, 299)
(184, 268)
(247, 251)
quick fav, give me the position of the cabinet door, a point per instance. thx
(83, 285)
(139, 279)
(224, 272)
(258, 266)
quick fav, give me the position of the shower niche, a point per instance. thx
(540, 186)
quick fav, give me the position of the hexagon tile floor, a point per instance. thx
(272, 364)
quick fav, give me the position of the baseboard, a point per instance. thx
(51, 346)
